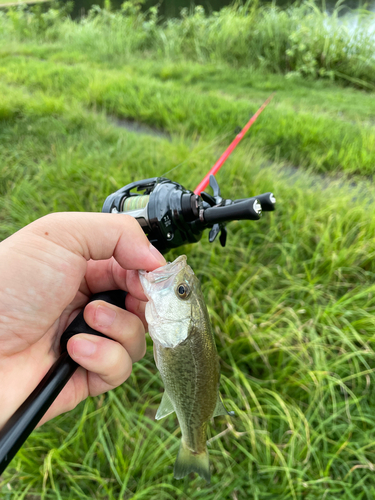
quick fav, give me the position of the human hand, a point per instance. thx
(48, 271)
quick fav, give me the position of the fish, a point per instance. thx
(186, 357)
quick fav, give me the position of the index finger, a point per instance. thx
(102, 275)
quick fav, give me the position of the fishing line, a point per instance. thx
(220, 162)
(191, 157)
(223, 158)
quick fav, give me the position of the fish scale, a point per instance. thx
(186, 356)
(191, 368)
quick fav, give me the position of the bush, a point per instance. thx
(300, 40)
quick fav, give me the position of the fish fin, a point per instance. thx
(156, 356)
(165, 408)
(187, 462)
(220, 408)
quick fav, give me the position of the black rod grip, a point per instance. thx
(245, 210)
(20, 425)
(79, 325)
(24, 420)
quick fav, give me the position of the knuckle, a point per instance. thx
(131, 335)
(121, 365)
(132, 223)
(119, 376)
(131, 327)
(72, 404)
(142, 351)
(127, 371)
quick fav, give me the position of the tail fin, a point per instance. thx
(187, 461)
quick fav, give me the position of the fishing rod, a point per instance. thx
(170, 216)
(232, 146)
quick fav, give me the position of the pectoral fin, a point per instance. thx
(220, 408)
(165, 408)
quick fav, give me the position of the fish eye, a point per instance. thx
(183, 290)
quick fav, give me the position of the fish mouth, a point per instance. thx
(162, 277)
(167, 315)
(163, 273)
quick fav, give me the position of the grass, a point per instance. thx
(340, 137)
(7, 3)
(291, 297)
(302, 40)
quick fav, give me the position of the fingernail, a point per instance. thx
(104, 316)
(83, 347)
(158, 256)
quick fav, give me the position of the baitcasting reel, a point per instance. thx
(172, 216)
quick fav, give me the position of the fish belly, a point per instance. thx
(190, 373)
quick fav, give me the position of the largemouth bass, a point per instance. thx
(185, 354)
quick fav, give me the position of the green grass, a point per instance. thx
(14, 3)
(338, 136)
(302, 40)
(291, 297)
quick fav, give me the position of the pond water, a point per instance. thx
(172, 8)
(167, 8)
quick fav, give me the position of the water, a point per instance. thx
(172, 8)
(166, 8)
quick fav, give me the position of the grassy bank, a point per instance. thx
(7, 3)
(309, 125)
(291, 297)
(204, 93)
(301, 40)
(291, 300)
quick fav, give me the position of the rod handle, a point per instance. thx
(24, 420)
(79, 325)
(20, 425)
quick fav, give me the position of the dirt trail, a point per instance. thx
(140, 128)
(361, 188)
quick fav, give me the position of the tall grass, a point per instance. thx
(304, 138)
(291, 299)
(300, 40)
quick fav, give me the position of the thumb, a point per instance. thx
(100, 236)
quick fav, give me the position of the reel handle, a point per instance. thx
(267, 201)
(249, 209)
